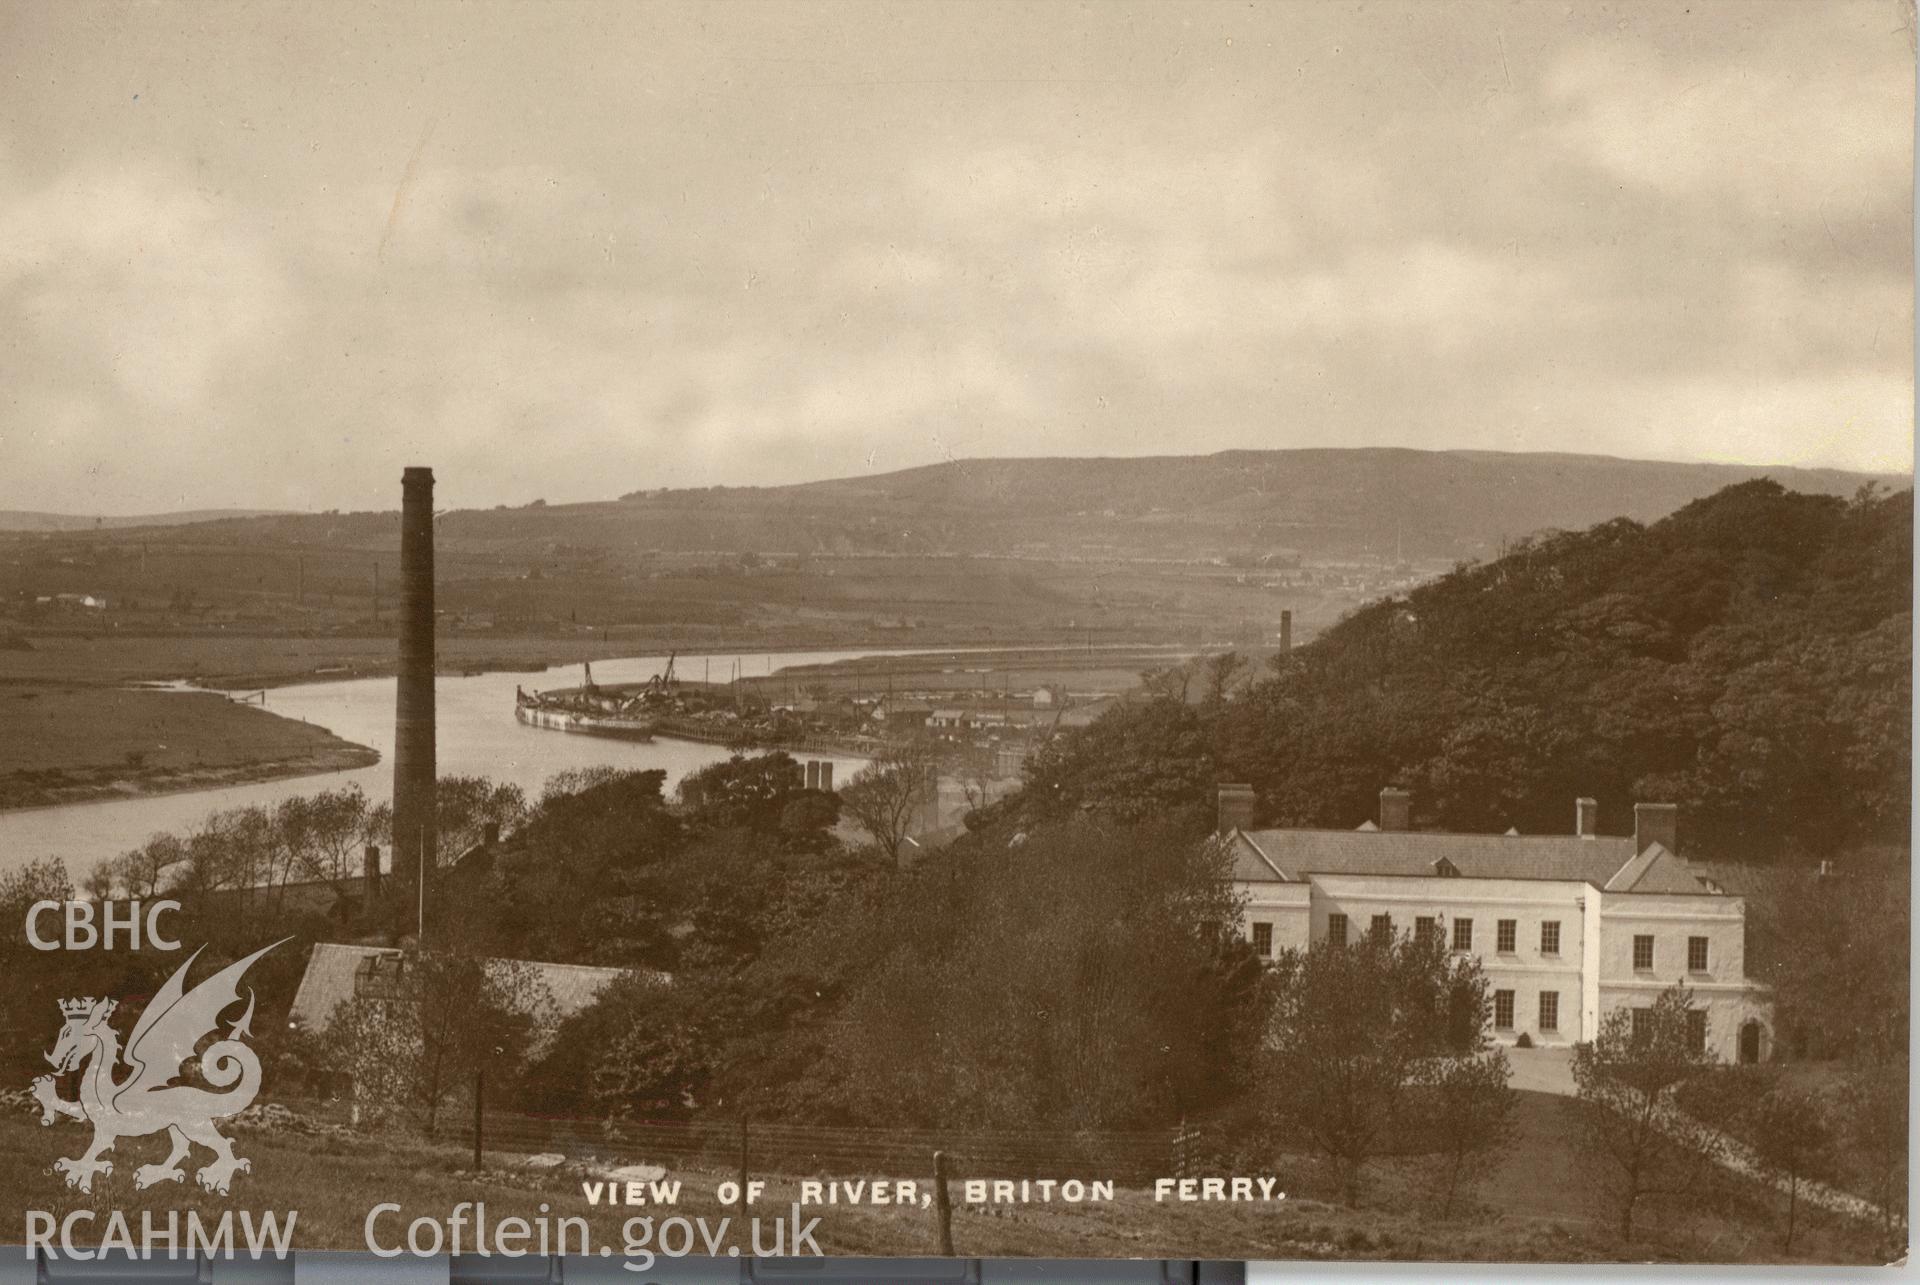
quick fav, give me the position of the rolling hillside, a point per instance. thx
(1424, 503)
(1318, 503)
(1748, 657)
(1196, 549)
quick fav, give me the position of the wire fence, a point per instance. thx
(827, 1150)
(1126, 1157)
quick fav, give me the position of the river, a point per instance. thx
(478, 736)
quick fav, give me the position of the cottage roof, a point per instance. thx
(334, 966)
(906, 706)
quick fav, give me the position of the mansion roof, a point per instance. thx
(1290, 856)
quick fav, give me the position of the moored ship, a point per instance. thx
(588, 710)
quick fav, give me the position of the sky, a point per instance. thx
(265, 256)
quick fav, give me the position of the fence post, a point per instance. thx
(479, 1097)
(943, 1207)
(743, 1166)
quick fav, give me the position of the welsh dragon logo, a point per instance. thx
(145, 1100)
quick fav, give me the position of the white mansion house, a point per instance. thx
(1567, 927)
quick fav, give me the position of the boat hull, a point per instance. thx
(611, 726)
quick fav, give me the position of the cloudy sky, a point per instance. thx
(265, 256)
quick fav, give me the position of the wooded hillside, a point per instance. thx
(1748, 658)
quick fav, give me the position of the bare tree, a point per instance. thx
(884, 796)
(1222, 670)
(466, 805)
(974, 766)
(143, 872)
(1468, 1110)
(1168, 682)
(1638, 1142)
(327, 832)
(1875, 1125)
(1791, 1136)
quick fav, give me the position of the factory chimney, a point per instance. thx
(414, 846)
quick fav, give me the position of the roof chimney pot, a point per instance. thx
(1656, 823)
(1236, 808)
(1396, 809)
(1586, 818)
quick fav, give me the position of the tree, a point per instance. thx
(1469, 1113)
(1072, 982)
(653, 1046)
(1147, 759)
(325, 835)
(1790, 1135)
(1747, 657)
(807, 820)
(748, 792)
(229, 853)
(1355, 1027)
(144, 871)
(1639, 1143)
(975, 766)
(465, 805)
(1168, 682)
(441, 1019)
(884, 796)
(1222, 670)
(613, 837)
(1834, 951)
(1874, 1123)
(574, 780)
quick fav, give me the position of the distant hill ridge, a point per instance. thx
(1320, 502)
(26, 520)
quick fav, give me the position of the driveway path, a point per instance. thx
(1551, 1071)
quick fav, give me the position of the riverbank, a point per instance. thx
(249, 663)
(76, 743)
(226, 662)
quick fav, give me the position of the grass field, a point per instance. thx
(67, 742)
(1534, 1208)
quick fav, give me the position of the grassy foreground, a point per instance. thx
(1533, 1208)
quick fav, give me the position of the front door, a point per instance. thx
(1750, 1041)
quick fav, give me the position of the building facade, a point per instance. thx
(1566, 927)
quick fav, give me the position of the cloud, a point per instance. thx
(1799, 137)
(659, 250)
(139, 279)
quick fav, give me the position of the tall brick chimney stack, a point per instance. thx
(1656, 823)
(1396, 809)
(415, 843)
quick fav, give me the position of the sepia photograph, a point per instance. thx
(912, 628)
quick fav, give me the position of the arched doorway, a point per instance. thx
(1750, 1040)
